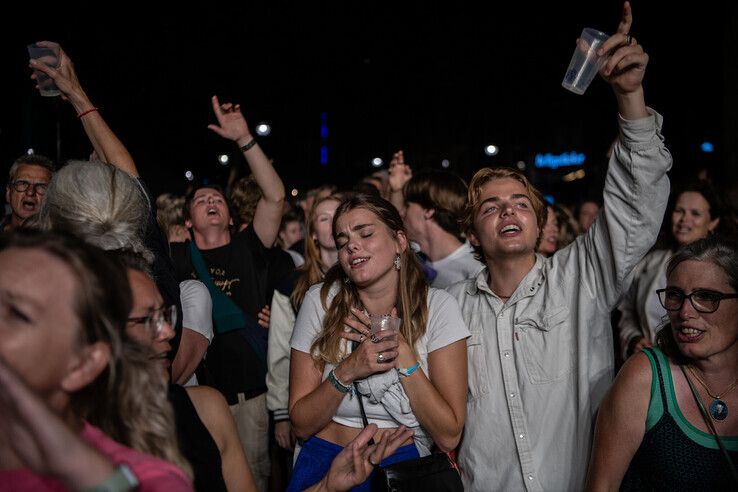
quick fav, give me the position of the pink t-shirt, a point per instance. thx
(153, 474)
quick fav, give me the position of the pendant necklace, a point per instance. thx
(718, 408)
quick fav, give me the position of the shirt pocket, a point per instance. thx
(547, 346)
(478, 380)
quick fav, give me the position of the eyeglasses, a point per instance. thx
(155, 321)
(703, 300)
(21, 186)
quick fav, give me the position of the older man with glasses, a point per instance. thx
(27, 181)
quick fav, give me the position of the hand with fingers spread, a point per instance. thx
(231, 123)
(374, 353)
(353, 465)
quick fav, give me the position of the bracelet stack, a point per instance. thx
(343, 388)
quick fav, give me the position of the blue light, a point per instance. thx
(323, 125)
(707, 147)
(324, 155)
(555, 161)
(549, 199)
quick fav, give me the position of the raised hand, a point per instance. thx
(625, 67)
(231, 123)
(399, 172)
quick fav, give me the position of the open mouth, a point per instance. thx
(687, 334)
(28, 205)
(358, 262)
(510, 230)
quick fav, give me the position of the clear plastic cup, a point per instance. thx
(585, 62)
(50, 56)
(381, 322)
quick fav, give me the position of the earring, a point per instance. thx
(347, 281)
(397, 262)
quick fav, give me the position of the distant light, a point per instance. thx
(294, 192)
(30, 151)
(223, 159)
(445, 163)
(263, 129)
(556, 161)
(707, 147)
(323, 155)
(491, 150)
(377, 162)
(549, 199)
(189, 175)
(574, 175)
(520, 165)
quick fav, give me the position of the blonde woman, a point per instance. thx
(414, 377)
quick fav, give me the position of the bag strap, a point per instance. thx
(361, 399)
(711, 426)
(231, 317)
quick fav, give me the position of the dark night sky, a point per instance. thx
(440, 82)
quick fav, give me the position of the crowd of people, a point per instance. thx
(229, 339)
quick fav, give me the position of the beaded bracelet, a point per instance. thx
(337, 383)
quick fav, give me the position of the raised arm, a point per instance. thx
(399, 174)
(106, 144)
(625, 68)
(621, 425)
(232, 126)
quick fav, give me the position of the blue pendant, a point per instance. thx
(718, 409)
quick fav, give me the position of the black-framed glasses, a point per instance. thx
(21, 186)
(155, 321)
(703, 300)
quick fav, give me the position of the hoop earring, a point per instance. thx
(397, 262)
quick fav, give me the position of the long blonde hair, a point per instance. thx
(313, 270)
(127, 400)
(412, 289)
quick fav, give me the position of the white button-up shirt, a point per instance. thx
(540, 364)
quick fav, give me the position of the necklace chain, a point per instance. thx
(704, 384)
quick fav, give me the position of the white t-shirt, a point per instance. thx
(197, 312)
(445, 326)
(459, 265)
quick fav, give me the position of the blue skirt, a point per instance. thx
(317, 455)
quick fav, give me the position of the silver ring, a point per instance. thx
(380, 358)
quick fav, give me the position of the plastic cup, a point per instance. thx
(382, 322)
(585, 62)
(50, 56)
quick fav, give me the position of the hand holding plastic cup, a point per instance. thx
(585, 62)
(382, 322)
(50, 56)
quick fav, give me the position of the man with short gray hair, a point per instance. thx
(26, 189)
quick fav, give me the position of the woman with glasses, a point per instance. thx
(670, 420)
(696, 214)
(207, 431)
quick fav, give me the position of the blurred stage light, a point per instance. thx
(445, 163)
(263, 129)
(491, 150)
(377, 162)
(223, 159)
(189, 175)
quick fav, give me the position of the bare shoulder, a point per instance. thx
(634, 379)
